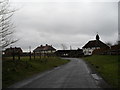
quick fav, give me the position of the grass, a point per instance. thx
(107, 67)
(14, 71)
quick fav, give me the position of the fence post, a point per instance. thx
(34, 55)
(13, 54)
(30, 52)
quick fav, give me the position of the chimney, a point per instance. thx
(41, 45)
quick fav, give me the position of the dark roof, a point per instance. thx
(68, 51)
(48, 48)
(44, 48)
(95, 43)
(15, 49)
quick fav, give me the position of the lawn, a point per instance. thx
(14, 71)
(107, 67)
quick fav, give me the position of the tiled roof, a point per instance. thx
(43, 48)
(95, 43)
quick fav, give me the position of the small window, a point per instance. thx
(89, 52)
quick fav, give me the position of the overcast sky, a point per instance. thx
(69, 22)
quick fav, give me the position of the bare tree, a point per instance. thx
(117, 42)
(109, 44)
(64, 47)
(6, 26)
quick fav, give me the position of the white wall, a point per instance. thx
(88, 51)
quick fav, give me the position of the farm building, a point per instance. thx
(69, 53)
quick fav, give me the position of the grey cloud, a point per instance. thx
(70, 23)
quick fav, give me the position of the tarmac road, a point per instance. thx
(75, 74)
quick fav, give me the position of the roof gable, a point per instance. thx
(44, 48)
(16, 49)
(95, 43)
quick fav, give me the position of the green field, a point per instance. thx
(107, 67)
(17, 70)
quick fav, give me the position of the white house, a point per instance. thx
(48, 49)
(92, 45)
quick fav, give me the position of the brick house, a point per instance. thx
(113, 50)
(10, 51)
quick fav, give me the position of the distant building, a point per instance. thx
(69, 53)
(114, 50)
(94, 44)
(10, 51)
(43, 50)
(101, 51)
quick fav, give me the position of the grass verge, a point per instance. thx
(14, 71)
(107, 67)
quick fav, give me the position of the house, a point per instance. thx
(44, 50)
(10, 51)
(115, 50)
(101, 51)
(94, 44)
(69, 53)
